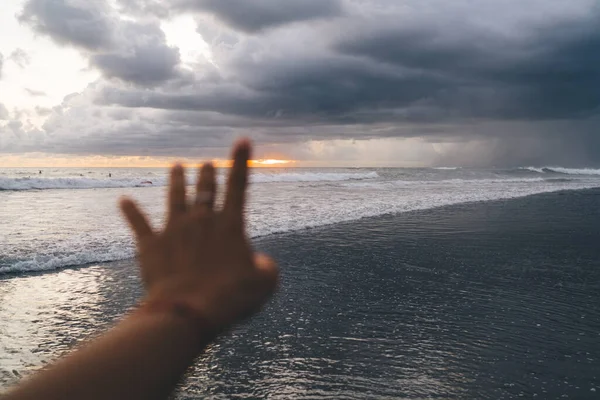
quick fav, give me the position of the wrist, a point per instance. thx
(183, 316)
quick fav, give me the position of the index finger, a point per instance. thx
(238, 180)
(137, 220)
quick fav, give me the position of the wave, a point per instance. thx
(91, 183)
(402, 204)
(74, 183)
(54, 262)
(562, 170)
(447, 168)
(313, 176)
(111, 241)
(458, 182)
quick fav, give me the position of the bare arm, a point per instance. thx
(201, 277)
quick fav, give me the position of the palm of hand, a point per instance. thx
(202, 258)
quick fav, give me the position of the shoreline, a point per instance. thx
(431, 303)
(258, 240)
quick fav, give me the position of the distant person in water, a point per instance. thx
(201, 277)
(40, 171)
(109, 175)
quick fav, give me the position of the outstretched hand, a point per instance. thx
(202, 258)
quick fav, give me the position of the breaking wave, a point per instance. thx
(312, 177)
(91, 183)
(561, 170)
(74, 183)
(53, 262)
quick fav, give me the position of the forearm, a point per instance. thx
(201, 277)
(143, 357)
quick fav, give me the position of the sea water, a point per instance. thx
(68, 217)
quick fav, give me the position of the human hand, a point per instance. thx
(202, 258)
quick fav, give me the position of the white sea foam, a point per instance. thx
(532, 169)
(272, 209)
(90, 183)
(48, 263)
(75, 183)
(380, 200)
(45, 230)
(456, 182)
(312, 176)
(574, 171)
(562, 170)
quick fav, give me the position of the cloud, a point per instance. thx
(80, 23)
(1, 64)
(548, 72)
(513, 83)
(134, 52)
(157, 8)
(43, 111)
(3, 112)
(254, 16)
(35, 93)
(20, 57)
(145, 59)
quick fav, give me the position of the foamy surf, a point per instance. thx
(565, 171)
(49, 263)
(273, 209)
(75, 183)
(27, 183)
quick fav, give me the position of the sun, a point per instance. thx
(270, 162)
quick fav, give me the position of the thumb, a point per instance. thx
(267, 270)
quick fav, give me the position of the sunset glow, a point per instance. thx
(270, 162)
(44, 161)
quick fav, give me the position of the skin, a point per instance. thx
(201, 277)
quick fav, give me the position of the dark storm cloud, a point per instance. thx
(380, 70)
(130, 51)
(329, 91)
(256, 15)
(524, 78)
(551, 73)
(510, 143)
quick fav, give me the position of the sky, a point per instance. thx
(321, 82)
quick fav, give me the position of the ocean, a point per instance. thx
(396, 283)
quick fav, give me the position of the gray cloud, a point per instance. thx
(34, 93)
(20, 57)
(518, 80)
(3, 112)
(1, 64)
(157, 8)
(256, 15)
(133, 52)
(145, 59)
(78, 23)
(550, 73)
(43, 111)
(510, 143)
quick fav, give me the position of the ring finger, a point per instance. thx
(206, 188)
